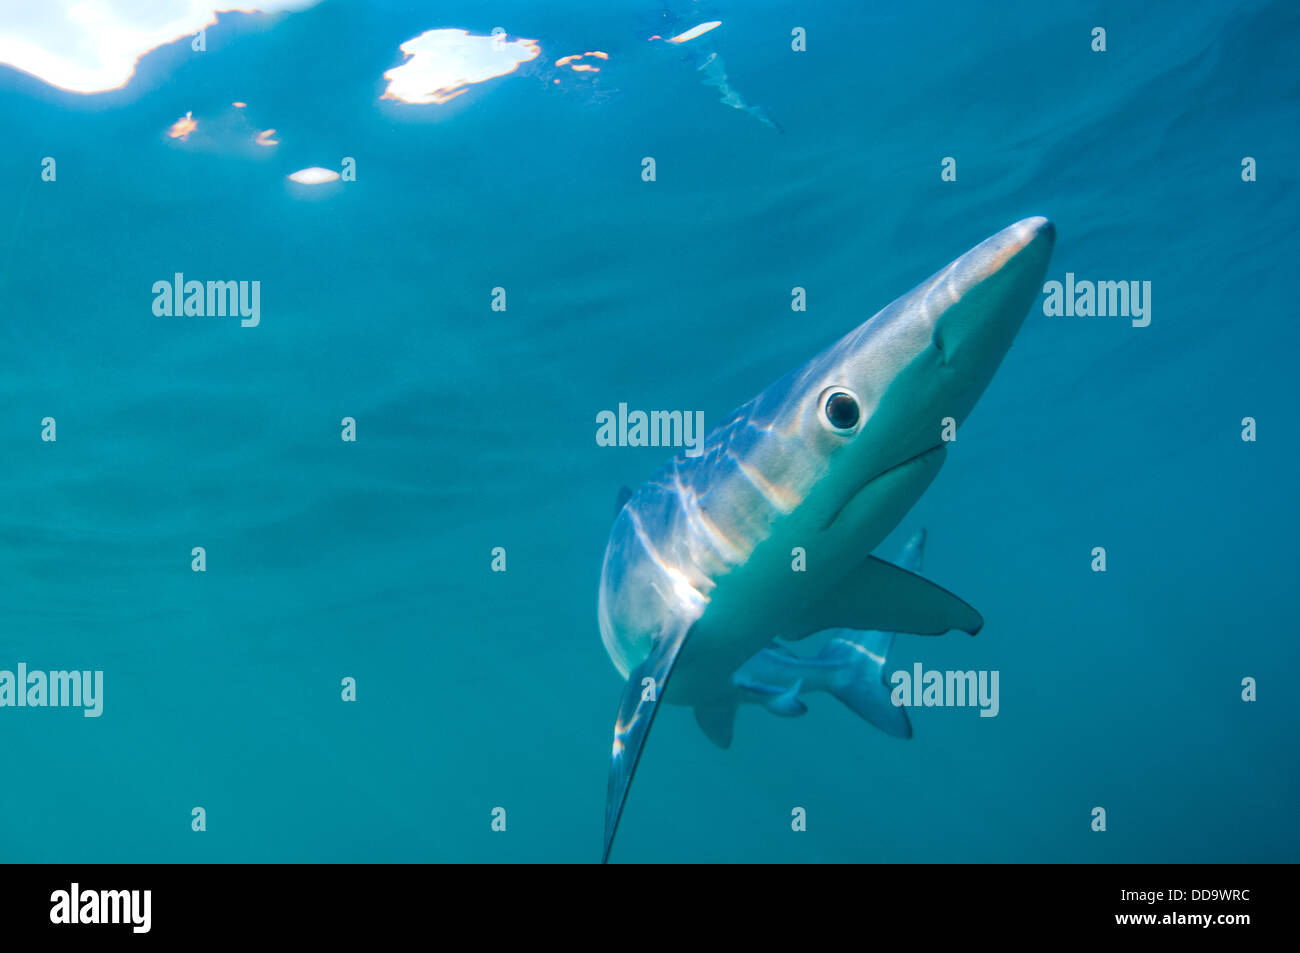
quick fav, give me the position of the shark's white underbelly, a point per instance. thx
(735, 612)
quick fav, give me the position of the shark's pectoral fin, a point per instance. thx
(717, 720)
(641, 699)
(879, 595)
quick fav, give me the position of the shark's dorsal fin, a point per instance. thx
(641, 699)
(879, 595)
(624, 494)
(718, 720)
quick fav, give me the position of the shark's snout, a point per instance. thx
(1013, 258)
(1029, 231)
(1028, 245)
(1014, 245)
(1041, 227)
(981, 299)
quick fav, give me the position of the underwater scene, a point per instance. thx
(401, 403)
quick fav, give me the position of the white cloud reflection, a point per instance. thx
(443, 64)
(314, 176)
(91, 46)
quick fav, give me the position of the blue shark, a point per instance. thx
(693, 28)
(697, 575)
(850, 666)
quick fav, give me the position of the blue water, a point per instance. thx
(371, 560)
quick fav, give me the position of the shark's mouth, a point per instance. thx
(910, 461)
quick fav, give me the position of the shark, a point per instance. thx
(691, 31)
(850, 666)
(768, 533)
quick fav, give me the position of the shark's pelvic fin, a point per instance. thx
(718, 720)
(879, 644)
(642, 696)
(778, 699)
(758, 688)
(865, 657)
(788, 703)
(865, 691)
(879, 595)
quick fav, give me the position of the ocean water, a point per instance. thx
(475, 689)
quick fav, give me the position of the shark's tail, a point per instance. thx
(860, 680)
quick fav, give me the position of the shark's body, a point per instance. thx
(690, 34)
(698, 576)
(851, 666)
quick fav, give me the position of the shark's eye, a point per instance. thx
(842, 411)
